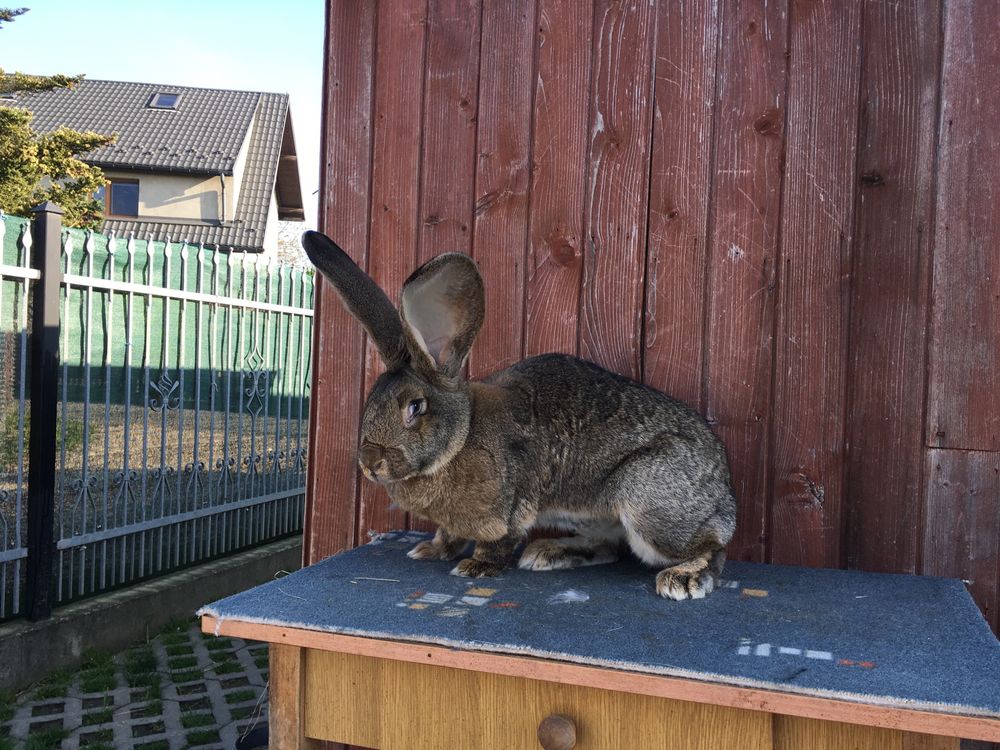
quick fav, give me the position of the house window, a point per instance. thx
(163, 100)
(121, 198)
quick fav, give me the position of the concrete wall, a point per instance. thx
(116, 620)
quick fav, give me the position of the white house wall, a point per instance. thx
(235, 182)
(271, 232)
(177, 196)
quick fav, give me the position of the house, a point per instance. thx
(201, 165)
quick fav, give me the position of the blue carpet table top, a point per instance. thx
(893, 640)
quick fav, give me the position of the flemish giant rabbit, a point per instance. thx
(550, 441)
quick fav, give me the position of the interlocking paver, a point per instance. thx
(183, 689)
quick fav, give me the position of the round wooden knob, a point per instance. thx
(557, 732)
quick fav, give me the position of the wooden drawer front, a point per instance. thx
(395, 705)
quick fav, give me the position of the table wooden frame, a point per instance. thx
(290, 647)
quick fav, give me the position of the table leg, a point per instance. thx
(286, 699)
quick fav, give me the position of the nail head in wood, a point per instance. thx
(557, 732)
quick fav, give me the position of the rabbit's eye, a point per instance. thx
(416, 407)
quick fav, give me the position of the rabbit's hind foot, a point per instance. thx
(568, 552)
(691, 579)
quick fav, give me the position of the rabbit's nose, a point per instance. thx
(371, 461)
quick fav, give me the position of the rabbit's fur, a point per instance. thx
(551, 441)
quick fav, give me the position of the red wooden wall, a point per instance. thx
(786, 213)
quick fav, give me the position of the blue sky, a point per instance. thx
(237, 44)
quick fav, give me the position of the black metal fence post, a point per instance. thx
(44, 363)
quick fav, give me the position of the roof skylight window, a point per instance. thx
(163, 100)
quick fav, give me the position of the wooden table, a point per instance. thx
(395, 695)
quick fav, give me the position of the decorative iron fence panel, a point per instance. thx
(183, 404)
(16, 278)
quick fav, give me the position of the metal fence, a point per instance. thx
(183, 386)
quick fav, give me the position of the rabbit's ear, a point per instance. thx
(442, 307)
(361, 296)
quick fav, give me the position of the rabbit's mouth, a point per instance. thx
(377, 474)
(384, 466)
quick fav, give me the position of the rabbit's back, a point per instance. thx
(579, 424)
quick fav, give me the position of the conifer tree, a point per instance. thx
(36, 167)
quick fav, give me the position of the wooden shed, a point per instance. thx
(785, 213)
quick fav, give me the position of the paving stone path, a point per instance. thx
(183, 689)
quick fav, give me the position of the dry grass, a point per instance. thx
(152, 438)
(181, 442)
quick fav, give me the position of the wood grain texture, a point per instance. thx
(746, 208)
(338, 346)
(503, 179)
(395, 705)
(679, 188)
(889, 289)
(286, 698)
(818, 271)
(812, 321)
(962, 533)
(565, 673)
(963, 407)
(793, 733)
(448, 149)
(913, 741)
(395, 192)
(451, 96)
(559, 178)
(618, 188)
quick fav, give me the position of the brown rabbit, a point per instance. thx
(551, 441)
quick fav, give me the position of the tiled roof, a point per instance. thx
(203, 136)
(246, 230)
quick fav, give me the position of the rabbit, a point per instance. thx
(553, 440)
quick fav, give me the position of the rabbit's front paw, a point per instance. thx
(429, 551)
(473, 568)
(689, 580)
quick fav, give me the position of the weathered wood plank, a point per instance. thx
(615, 121)
(618, 189)
(448, 169)
(286, 684)
(746, 208)
(889, 289)
(962, 533)
(963, 407)
(683, 118)
(817, 219)
(448, 152)
(394, 193)
(503, 179)
(338, 346)
(559, 169)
